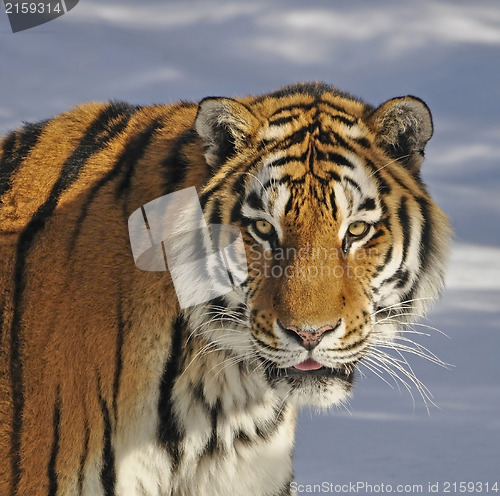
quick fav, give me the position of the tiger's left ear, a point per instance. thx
(403, 126)
(225, 126)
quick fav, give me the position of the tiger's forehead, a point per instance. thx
(279, 105)
(315, 144)
(313, 192)
(315, 117)
(313, 163)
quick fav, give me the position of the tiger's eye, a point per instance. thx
(357, 229)
(263, 227)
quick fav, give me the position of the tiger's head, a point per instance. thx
(343, 242)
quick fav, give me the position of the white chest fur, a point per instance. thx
(234, 437)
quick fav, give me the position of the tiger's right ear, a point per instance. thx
(403, 126)
(225, 126)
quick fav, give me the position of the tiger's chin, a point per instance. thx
(321, 387)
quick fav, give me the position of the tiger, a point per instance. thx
(109, 384)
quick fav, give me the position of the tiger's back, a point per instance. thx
(108, 385)
(68, 187)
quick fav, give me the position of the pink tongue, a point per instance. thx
(308, 364)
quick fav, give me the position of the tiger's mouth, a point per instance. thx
(311, 370)
(308, 365)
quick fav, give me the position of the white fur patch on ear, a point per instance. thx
(224, 125)
(403, 127)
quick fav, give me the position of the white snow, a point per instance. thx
(448, 53)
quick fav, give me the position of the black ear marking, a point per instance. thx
(403, 126)
(224, 126)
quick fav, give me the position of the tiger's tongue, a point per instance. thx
(308, 364)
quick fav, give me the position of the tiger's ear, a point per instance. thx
(225, 126)
(403, 126)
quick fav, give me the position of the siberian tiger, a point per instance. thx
(108, 385)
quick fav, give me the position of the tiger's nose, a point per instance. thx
(308, 338)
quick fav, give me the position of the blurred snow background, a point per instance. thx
(447, 52)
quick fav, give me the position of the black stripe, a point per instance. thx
(304, 107)
(108, 473)
(282, 120)
(400, 183)
(27, 138)
(368, 204)
(198, 393)
(133, 153)
(362, 142)
(239, 185)
(215, 215)
(269, 428)
(353, 183)
(341, 141)
(333, 138)
(205, 196)
(236, 215)
(83, 458)
(213, 444)
(333, 204)
(336, 117)
(341, 118)
(426, 246)
(177, 163)
(238, 188)
(297, 106)
(402, 276)
(288, 179)
(51, 470)
(383, 187)
(168, 430)
(337, 108)
(289, 205)
(404, 220)
(426, 239)
(296, 137)
(263, 344)
(120, 329)
(332, 176)
(243, 438)
(282, 161)
(384, 264)
(217, 303)
(98, 134)
(336, 158)
(254, 200)
(377, 234)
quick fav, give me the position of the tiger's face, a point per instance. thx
(313, 252)
(342, 242)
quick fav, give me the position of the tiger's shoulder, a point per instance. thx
(90, 145)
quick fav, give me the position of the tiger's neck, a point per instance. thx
(205, 386)
(216, 415)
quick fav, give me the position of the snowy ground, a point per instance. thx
(446, 52)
